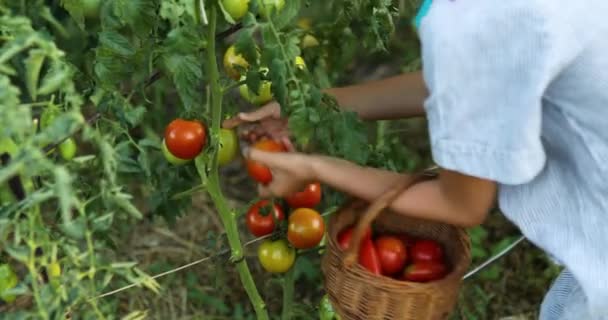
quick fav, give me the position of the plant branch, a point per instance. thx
(227, 215)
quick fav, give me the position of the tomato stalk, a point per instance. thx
(288, 285)
(381, 133)
(227, 215)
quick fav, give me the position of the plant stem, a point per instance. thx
(288, 285)
(227, 215)
(31, 264)
(381, 133)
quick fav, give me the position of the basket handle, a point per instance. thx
(384, 201)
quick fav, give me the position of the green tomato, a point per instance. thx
(8, 280)
(276, 256)
(229, 144)
(53, 270)
(171, 158)
(268, 6)
(90, 8)
(236, 8)
(263, 95)
(326, 310)
(7, 145)
(67, 149)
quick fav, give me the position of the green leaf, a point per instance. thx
(116, 43)
(63, 191)
(55, 78)
(19, 253)
(33, 64)
(187, 76)
(75, 9)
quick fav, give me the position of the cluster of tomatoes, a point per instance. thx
(398, 256)
(305, 227)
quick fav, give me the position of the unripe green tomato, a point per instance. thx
(263, 95)
(276, 256)
(270, 6)
(53, 270)
(171, 158)
(236, 8)
(8, 280)
(67, 149)
(90, 8)
(7, 145)
(229, 144)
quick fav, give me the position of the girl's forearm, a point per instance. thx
(396, 97)
(427, 200)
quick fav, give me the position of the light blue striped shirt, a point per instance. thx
(519, 95)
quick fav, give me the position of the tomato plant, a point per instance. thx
(308, 198)
(261, 217)
(391, 253)
(276, 256)
(185, 139)
(305, 229)
(258, 171)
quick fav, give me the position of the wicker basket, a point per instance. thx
(356, 293)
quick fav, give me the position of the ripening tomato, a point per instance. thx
(229, 144)
(258, 171)
(260, 221)
(236, 8)
(67, 149)
(426, 250)
(425, 271)
(170, 157)
(263, 95)
(276, 256)
(308, 198)
(53, 270)
(233, 59)
(392, 254)
(305, 229)
(185, 139)
(8, 280)
(270, 7)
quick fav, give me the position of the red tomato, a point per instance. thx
(368, 257)
(345, 235)
(258, 171)
(426, 250)
(185, 139)
(425, 271)
(309, 198)
(392, 254)
(259, 220)
(305, 229)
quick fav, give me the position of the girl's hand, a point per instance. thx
(269, 124)
(291, 172)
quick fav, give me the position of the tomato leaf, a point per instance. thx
(33, 64)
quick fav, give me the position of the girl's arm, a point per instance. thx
(396, 97)
(452, 198)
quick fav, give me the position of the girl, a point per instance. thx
(516, 94)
